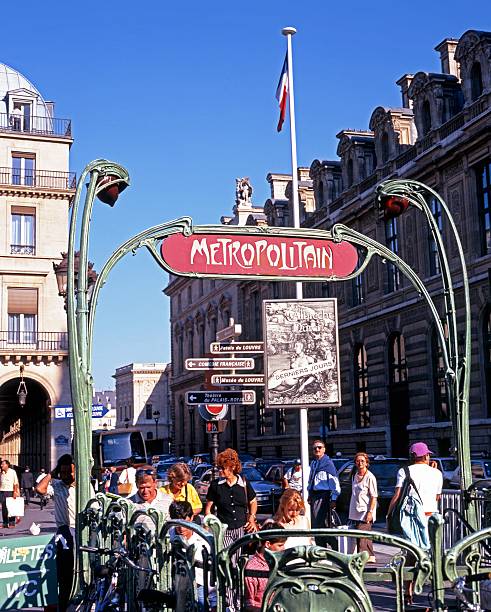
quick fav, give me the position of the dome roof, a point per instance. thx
(12, 80)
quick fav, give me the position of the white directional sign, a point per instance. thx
(229, 333)
(217, 348)
(213, 363)
(253, 380)
(221, 397)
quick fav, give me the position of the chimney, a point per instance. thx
(404, 83)
(446, 49)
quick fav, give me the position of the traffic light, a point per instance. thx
(212, 427)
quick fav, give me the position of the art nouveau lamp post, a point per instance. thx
(106, 180)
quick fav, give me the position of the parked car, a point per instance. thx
(276, 472)
(263, 465)
(385, 471)
(481, 470)
(263, 488)
(447, 466)
(199, 458)
(340, 462)
(156, 459)
(199, 470)
(162, 468)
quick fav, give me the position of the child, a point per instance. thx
(255, 586)
(182, 510)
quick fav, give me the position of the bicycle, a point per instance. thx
(105, 594)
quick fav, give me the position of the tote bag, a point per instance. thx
(124, 488)
(15, 507)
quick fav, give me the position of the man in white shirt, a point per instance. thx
(293, 477)
(428, 482)
(9, 487)
(148, 496)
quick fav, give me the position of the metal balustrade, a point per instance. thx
(299, 578)
(38, 179)
(37, 126)
(33, 341)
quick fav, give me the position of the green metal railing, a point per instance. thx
(301, 578)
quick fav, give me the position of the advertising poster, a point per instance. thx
(301, 353)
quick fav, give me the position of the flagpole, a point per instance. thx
(304, 424)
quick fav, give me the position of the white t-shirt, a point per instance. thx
(362, 491)
(428, 481)
(8, 480)
(294, 478)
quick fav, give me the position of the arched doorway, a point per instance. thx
(25, 431)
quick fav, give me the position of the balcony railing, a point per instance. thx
(40, 179)
(38, 126)
(32, 341)
(22, 249)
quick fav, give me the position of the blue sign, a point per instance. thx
(65, 411)
(61, 441)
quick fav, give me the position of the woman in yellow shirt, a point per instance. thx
(179, 487)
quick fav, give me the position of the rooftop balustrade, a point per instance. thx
(36, 126)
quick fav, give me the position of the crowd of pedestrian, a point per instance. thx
(232, 499)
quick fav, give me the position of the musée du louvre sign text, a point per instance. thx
(266, 255)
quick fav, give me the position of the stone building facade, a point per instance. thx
(393, 388)
(142, 401)
(35, 190)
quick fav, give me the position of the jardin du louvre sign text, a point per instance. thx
(259, 254)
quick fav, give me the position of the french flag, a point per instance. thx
(282, 93)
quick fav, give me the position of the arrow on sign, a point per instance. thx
(221, 397)
(220, 364)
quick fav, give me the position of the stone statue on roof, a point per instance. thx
(243, 191)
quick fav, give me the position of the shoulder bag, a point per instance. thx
(124, 488)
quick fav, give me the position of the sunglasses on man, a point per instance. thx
(145, 472)
(317, 447)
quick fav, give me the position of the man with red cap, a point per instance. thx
(428, 482)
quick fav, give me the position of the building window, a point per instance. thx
(385, 147)
(440, 399)
(320, 201)
(256, 306)
(280, 423)
(190, 295)
(360, 377)
(260, 413)
(149, 435)
(397, 359)
(333, 418)
(392, 242)
(148, 412)
(436, 210)
(201, 334)
(23, 169)
(476, 81)
(487, 356)
(190, 342)
(484, 196)
(426, 117)
(23, 227)
(22, 315)
(20, 117)
(180, 352)
(358, 290)
(350, 172)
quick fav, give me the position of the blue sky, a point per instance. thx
(183, 96)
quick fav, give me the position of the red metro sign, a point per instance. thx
(258, 255)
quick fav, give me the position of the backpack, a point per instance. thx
(407, 518)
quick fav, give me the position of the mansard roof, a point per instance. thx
(348, 138)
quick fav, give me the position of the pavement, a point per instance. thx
(33, 513)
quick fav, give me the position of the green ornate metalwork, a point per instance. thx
(103, 175)
(299, 578)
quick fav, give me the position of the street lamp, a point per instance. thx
(22, 390)
(156, 417)
(126, 422)
(61, 272)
